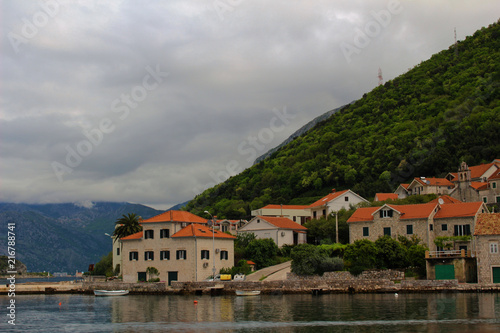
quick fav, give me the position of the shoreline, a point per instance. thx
(267, 288)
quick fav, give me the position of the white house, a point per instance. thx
(333, 202)
(280, 229)
(296, 213)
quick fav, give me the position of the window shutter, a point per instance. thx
(381, 213)
(467, 229)
(389, 213)
(455, 230)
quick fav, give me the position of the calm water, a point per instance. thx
(445, 312)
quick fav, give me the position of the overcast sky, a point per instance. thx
(153, 101)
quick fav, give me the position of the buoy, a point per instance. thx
(60, 303)
(195, 302)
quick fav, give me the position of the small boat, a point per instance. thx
(110, 292)
(247, 292)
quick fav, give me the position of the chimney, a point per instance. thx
(333, 190)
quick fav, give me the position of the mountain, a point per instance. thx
(423, 123)
(64, 237)
(298, 133)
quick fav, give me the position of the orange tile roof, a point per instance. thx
(487, 224)
(285, 207)
(419, 211)
(137, 235)
(327, 198)
(176, 216)
(386, 196)
(434, 181)
(463, 209)
(199, 230)
(282, 222)
(479, 185)
(476, 171)
(446, 199)
(495, 175)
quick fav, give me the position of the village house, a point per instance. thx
(179, 245)
(423, 185)
(230, 226)
(487, 238)
(477, 183)
(281, 230)
(402, 191)
(296, 213)
(333, 202)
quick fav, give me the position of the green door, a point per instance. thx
(141, 276)
(496, 274)
(172, 276)
(445, 272)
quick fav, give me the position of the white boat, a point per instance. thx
(110, 292)
(247, 292)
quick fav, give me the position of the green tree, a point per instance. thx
(105, 265)
(263, 252)
(127, 225)
(152, 272)
(391, 254)
(362, 254)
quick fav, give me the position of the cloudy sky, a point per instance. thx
(153, 101)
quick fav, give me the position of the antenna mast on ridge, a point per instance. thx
(456, 44)
(380, 78)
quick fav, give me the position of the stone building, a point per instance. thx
(487, 238)
(179, 245)
(477, 183)
(281, 230)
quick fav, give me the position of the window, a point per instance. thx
(485, 199)
(366, 231)
(164, 255)
(225, 227)
(387, 231)
(205, 254)
(149, 255)
(314, 216)
(409, 229)
(494, 248)
(346, 198)
(149, 234)
(385, 213)
(134, 255)
(444, 227)
(462, 230)
(324, 212)
(498, 199)
(117, 251)
(181, 255)
(431, 227)
(165, 233)
(493, 184)
(224, 255)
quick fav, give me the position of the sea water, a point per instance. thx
(436, 312)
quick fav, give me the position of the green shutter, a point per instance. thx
(496, 274)
(445, 272)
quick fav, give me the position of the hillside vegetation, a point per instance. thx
(422, 123)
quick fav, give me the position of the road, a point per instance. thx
(272, 273)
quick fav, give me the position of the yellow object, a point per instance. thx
(225, 277)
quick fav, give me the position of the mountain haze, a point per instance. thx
(423, 123)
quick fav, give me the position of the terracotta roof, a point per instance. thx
(476, 171)
(405, 186)
(420, 211)
(326, 199)
(250, 262)
(285, 207)
(386, 196)
(487, 224)
(479, 185)
(463, 209)
(434, 181)
(137, 235)
(446, 199)
(200, 230)
(282, 222)
(176, 216)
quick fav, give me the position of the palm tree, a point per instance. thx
(127, 225)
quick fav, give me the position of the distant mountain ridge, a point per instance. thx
(64, 237)
(299, 132)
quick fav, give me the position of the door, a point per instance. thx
(445, 272)
(141, 276)
(172, 276)
(496, 274)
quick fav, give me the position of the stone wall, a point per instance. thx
(391, 275)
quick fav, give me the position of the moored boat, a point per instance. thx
(247, 292)
(110, 292)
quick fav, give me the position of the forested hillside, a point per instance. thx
(423, 123)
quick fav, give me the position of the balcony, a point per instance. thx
(449, 254)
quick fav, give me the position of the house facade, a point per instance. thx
(426, 221)
(179, 245)
(487, 238)
(297, 213)
(333, 202)
(281, 230)
(477, 183)
(402, 191)
(423, 185)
